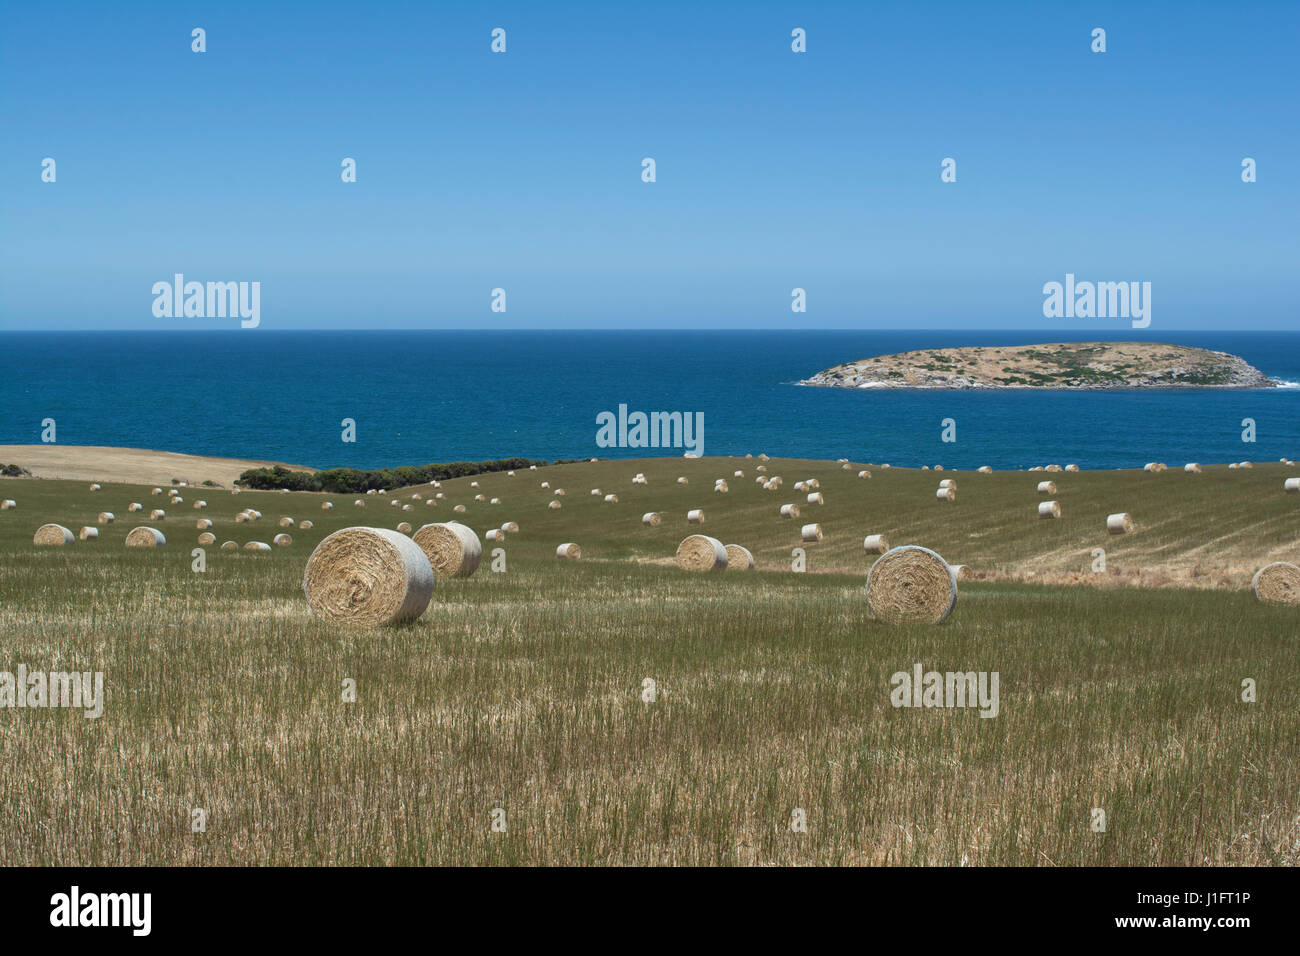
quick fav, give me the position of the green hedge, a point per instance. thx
(351, 480)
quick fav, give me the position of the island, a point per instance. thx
(1061, 365)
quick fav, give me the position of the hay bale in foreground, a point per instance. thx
(229, 546)
(282, 540)
(911, 584)
(89, 533)
(1121, 522)
(651, 519)
(453, 549)
(699, 552)
(811, 532)
(145, 537)
(569, 551)
(207, 537)
(1049, 509)
(1277, 583)
(790, 511)
(106, 517)
(695, 516)
(739, 558)
(367, 577)
(52, 535)
(1047, 487)
(875, 544)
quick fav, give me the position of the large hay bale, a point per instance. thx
(88, 533)
(286, 522)
(1277, 583)
(367, 577)
(52, 535)
(569, 551)
(511, 526)
(699, 552)
(203, 523)
(875, 544)
(721, 487)
(207, 537)
(1049, 509)
(476, 498)
(1052, 468)
(811, 532)
(816, 498)
(106, 517)
(651, 519)
(1291, 486)
(790, 511)
(1121, 522)
(558, 492)
(695, 516)
(945, 494)
(739, 558)
(911, 584)
(1047, 487)
(157, 514)
(452, 549)
(412, 507)
(8, 504)
(145, 537)
(495, 534)
(242, 518)
(305, 525)
(282, 540)
(254, 514)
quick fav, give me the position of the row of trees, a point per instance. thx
(352, 480)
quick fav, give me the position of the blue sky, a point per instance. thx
(523, 170)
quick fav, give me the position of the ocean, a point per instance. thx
(434, 396)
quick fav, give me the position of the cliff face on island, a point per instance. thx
(1059, 365)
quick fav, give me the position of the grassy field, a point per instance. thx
(522, 690)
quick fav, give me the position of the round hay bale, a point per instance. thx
(452, 549)
(948, 483)
(695, 516)
(497, 501)
(1067, 468)
(95, 487)
(1049, 509)
(473, 484)
(88, 533)
(959, 571)
(242, 518)
(875, 544)
(558, 492)
(816, 498)
(156, 491)
(1052, 468)
(1234, 465)
(282, 540)
(408, 507)
(52, 535)
(203, 523)
(459, 509)
(651, 519)
(200, 505)
(480, 498)
(8, 504)
(721, 487)
(699, 552)
(1277, 583)
(611, 499)
(229, 546)
(135, 506)
(404, 527)
(596, 492)
(738, 474)
(1192, 468)
(1047, 487)
(254, 514)
(207, 537)
(495, 534)
(1291, 486)
(359, 503)
(569, 551)
(106, 517)
(945, 494)
(739, 558)
(864, 474)
(683, 480)
(554, 506)
(144, 537)
(157, 514)
(511, 526)
(286, 522)
(257, 546)
(811, 532)
(326, 505)
(178, 500)
(984, 470)
(1121, 522)
(305, 525)
(546, 484)
(790, 511)
(911, 584)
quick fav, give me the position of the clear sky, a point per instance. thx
(775, 169)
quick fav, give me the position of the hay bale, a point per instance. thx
(156, 491)
(394, 503)
(1049, 509)
(242, 518)
(790, 511)
(135, 506)
(229, 546)
(359, 503)
(948, 483)
(497, 501)
(473, 484)
(496, 534)
(682, 480)
(699, 552)
(984, 470)
(546, 484)
(651, 519)
(305, 525)
(812, 484)
(257, 547)
(911, 584)
(959, 571)
(106, 517)
(945, 494)
(144, 537)
(811, 532)
(8, 504)
(480, 498)
(1052, 468)
(412, 507)
(157, 514)
(739, 558)
(611, 499)
(569, 551)
(1234, 465)
(459, 509)
(738, 474)
(203, 523)
(52, 535)
(864, 474)
(1047, 487)
(558, 492)
(554, 506)
(286, 522)
(695, 516)
(720, 486)
(938, 467)
(282, 540)
(1291, 486)
(404, 527)
(1241, 464)
(453, 550)
(254, 514)
(95, 487)
(511, 526)
(1192, 468)
(875, 544)
(88, 533)
(326, 505)
(178, 500)
(1067, 468)
(1277, 583)
(200, 505)
(1121, 522)
(816, 498)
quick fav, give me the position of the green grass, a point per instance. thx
(522, 690)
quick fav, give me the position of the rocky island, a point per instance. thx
(1059, 365)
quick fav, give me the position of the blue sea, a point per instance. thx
(433, 396)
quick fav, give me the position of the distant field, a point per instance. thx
(522, 690)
